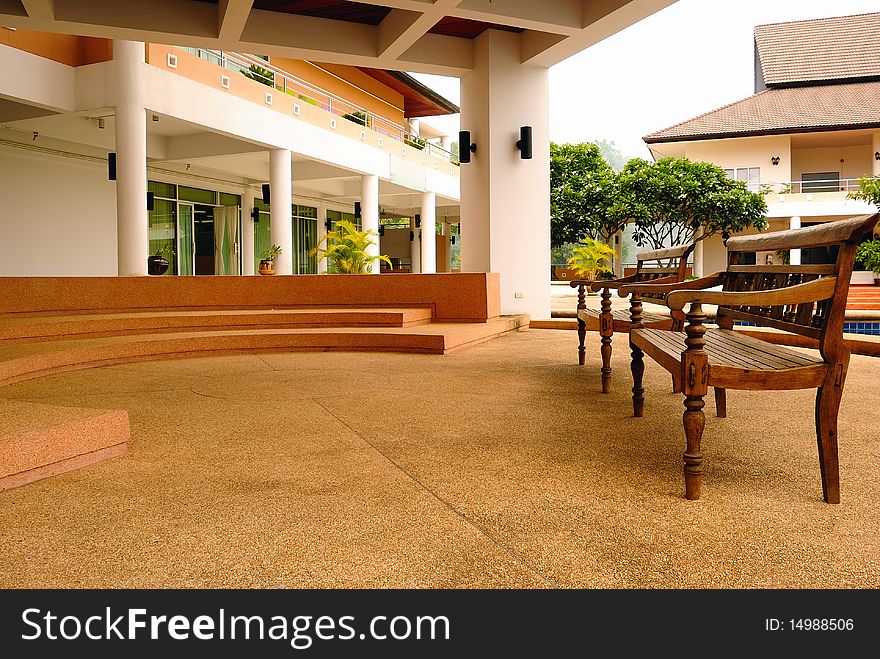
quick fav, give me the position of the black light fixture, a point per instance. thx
(524, 143)
(775, 160)
(150, 202)
(357, 209)
(465, 146)
(412, 236)
(255, 214)
(877, 155)
(418, 221)
(452, 239)
(328, 224)
(381, 229)
(266, 194)
(111, 166)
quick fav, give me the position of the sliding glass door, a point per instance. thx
(186, 240)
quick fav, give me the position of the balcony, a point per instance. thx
(305, 99)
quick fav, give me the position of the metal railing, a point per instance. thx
(807, 187)
(262, 71)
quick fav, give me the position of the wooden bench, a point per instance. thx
(659, 266)
(807, 300)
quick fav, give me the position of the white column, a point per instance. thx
(132, 244)
(698, 253)
(429, 232)
(322, 233)
(415, 247)
(794, 256)
(505, 201)
(279, 207)
(875, 162)
(247, 232)
(370, 213)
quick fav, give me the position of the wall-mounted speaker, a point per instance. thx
(266, 194)
(150, 202)
(525, 142)
(111, 166)
(357, 210)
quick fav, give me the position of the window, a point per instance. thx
(820, 182)
(751, 176)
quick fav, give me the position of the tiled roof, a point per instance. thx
(821, 50)
(784, 110)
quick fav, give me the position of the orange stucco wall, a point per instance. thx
(461, 297)
(356, 86)
(63, 48)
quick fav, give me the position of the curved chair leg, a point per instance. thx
(720, 403)
(638, 371)
(827, 406)
(694, 422)
(582, 335)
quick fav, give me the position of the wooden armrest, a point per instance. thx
(818, 289)
(661, 289)
(598, 285)
(574, 283)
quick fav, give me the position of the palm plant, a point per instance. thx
(346, 249)
(591, 258)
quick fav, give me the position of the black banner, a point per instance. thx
(428, 623)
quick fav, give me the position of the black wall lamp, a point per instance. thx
(775, 160)
(524, 143)
(418, 221)
(381, 229)
(412, 236)
(877, 155)
(328, 224)
(150, 201)
(111, 166)
(357, 209)
(266, 194)
(465, 146)
(255, 214)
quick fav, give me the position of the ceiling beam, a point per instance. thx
(40, 9)
(559, 17)
(401, 29)
(232, 16)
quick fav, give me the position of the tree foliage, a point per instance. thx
(869, 190)
(671, 199)
(581, 190)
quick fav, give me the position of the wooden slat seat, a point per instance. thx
(667, 265)
(621, 320)
(806, 300)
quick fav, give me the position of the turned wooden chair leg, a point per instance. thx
(637, 367)
(694, 422)
(582, 336)
(721, 402)
(827, 406)
(606, 363)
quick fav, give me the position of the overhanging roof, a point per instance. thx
(399, 35)
(783, 111)
(418, 100)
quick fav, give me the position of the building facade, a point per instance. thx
(805, 137)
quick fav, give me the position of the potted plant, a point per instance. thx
(869, 254)
(267, 262)
(590, 259)
(157, 264)
(346, 250)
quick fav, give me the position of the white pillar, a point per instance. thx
(247, 232)
(505, 201)
(698, 253)
(429, 232)
(794, 256)
(445, 142)
(415, 247)
(370, 213)
(322, 233)
(875, 162)
(132, 246)
(279, 207)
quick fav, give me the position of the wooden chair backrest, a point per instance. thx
(660, 263)
(818, 319)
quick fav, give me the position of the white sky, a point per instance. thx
(692, 57)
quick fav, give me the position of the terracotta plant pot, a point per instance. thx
(157, 265)
(267, 267)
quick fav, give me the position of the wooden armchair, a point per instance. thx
(808, 300)
(659, 266)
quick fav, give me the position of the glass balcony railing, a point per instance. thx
(263, 72)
